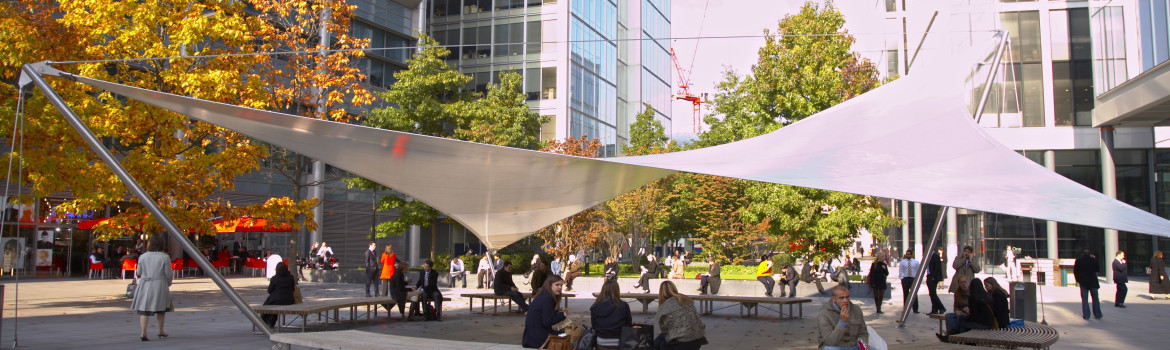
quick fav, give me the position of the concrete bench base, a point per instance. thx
(359, 340)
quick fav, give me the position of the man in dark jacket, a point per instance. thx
(372, 273)
(1120, 277)
(791, 280)
(934, 275)
(428, 285)
(504, 286)
(1085, 271)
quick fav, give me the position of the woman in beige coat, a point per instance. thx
(153, 295)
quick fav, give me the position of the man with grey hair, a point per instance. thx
(840, 324)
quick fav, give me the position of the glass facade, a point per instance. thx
(1109, 45)
(593, 72)
(1155, 32)
(1072, 75)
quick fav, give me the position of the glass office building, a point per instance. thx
(589, 64)
(1063, 58)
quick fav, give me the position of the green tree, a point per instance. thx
(805, 68)
(647, 136)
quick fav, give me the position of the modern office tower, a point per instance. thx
(1056, 101)
(589, 64)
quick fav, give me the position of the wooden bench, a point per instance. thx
(1031, 335)
(942, 326)
(931, 345)
(360, 340)
(644, 298)
(319, 307)
(484, 296)
(707, 303)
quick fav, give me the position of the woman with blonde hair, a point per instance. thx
(388, 260)
(678, 320)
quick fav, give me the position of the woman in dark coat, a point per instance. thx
(1158, 281)
(609, 314)
(280, 291)
(398, 288)
(999, 303)
(539, 274)
(877, 281)
(544, 312)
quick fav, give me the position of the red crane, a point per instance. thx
(684, 90)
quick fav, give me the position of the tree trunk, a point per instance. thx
(434, 236)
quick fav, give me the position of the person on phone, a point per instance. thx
(964, 265)
(840, 324)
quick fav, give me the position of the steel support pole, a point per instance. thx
(922, 266)
(995, 63)
(31, 72)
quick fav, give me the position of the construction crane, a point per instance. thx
(684, 90)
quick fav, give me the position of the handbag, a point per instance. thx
(638, 337)
(171, 308)
(130, 289)
(557, 343)
(297, 299)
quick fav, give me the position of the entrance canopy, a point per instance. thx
(912, 139)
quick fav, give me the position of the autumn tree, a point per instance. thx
(320, 82)
(713, 205)
(582, 230)
(179, 162)
(806, 67)
(638, 217)
(429, 98)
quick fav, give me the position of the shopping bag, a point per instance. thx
(638, 337)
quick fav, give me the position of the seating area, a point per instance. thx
(322, 309)
(1031, 336)
(707, 302)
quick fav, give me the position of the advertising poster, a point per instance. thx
(13, 249)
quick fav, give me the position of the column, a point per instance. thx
(1109, 187)
(415, 234)
(318, 192)
(905, 228)
(917, 230)
(952, 237)
(1053, 248)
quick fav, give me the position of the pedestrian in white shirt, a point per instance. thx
(907, 269)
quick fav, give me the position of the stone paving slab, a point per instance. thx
(92, 314)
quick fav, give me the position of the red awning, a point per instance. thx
(247, 224)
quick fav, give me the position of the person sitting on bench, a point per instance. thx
(505, 287)
(428, 285)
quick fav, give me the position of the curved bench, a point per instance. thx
(1031, 335)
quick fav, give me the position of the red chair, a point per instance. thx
(129, 265)
(177, 268)
(221, 263)
(190, 265)
(98, 269)
(255, 264)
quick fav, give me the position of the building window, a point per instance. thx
(891, 5)
(1108, 49)
(891, 63)
(1133, 180)
(548, 83)
(1072, 72)
(1024, 74)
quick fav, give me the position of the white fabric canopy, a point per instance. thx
(912, 139)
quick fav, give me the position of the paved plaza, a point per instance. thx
(92, 314)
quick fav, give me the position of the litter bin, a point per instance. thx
(1023, 300)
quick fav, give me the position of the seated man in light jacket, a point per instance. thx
(840, 323)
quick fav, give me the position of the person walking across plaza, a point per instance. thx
(1085, 271)
(964, 265)
(457, 272)
(1159, 284)
(372, 267)
(1120, 278)
(840, 323)
(389, 262)
(764, 274)
(934, 276)
(876, 279)
(153, 295)
(907, 270)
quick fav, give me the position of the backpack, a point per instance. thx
(130, 289)
(429, 312)
(587, 341)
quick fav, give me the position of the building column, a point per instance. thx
(415, 240)
(1109, 187)
(952, 237)
(1053, 247)
(917, 230)
(905, 227)
(318, 192)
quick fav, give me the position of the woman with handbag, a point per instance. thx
(153, 295)
(679, 321)
(280, 291)
(609, 314)
(877, 282)
(544, 313)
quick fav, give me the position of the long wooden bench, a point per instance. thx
(707, 304)
(930, 345)
(360, 340)
(319, 307)
(484, 296)
(1032, 335)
